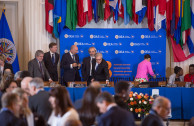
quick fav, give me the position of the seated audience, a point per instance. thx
(112, 114)
(24, 74)
(6, 76)
(73, 123)
(89, 110)
(38, 101)
(190, 76)
(29, 118)
(177, 75)
(121, 93)
(17, 75)
(62, 107)
(4, 65)
(10, 112)
(160, 110)
(25, 84)
(9, 85)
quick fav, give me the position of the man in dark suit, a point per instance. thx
(160, 110)
(39, 99)
(100, 69)
(70, 64)
(112, 114)
(9, 114)
(87, 65)
(51, 60)
(37, 68)
(4, 65)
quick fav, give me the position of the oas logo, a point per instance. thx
(142, 36)
(81, 36)
(66, 35)
(116, 36)
(106, 51)
(131, 44)
(66, 51)
(75, 43)
(93, 43)
(91, 36)
(105, 44)
(132, 51)
(147, 43)
(142, 51)
(132, 36)
(157, 62)
(106, 36)
(120, 43)
(7, 48)
(116, 51)
(81, 51)
(160, 36)
(159, 51)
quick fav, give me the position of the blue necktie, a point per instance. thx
(96, 67)
(53, 59)
(73, 57)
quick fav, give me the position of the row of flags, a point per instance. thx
(176, 16)
(7, 46)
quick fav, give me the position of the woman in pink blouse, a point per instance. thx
(144, 68)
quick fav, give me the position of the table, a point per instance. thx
(182, 99)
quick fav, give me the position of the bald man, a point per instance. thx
(70, 64)
(160, 110)
(25, 84)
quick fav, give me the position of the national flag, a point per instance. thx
(140, 9)
(101, 9)
(49, 6)
(173, 21)
(169, 10)
(106, 10)
(95, 7)
(7, 46)
(126, 15)
(114, 6)
(129, 8)
(150, 14)
(71, 17)
(135, 16)
(81, 17)
(90, 11)
(121, 9)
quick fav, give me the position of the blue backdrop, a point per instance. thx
(124, 48)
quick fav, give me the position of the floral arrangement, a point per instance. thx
(140, 80)
(139, 104)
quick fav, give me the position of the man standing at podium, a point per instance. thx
(70, 64)
(144, 68)
(87, 65)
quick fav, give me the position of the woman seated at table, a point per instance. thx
(62, 107)
(177, 75)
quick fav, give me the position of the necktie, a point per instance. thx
(96, 67)
(73, 57)
(40, 67)
(53, 59)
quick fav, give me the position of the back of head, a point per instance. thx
(98, 55)
(52, 44)
(191, 65)
(177, 69)
(147, 56)
(37, 82)
(95, 84)
(7, 71)
(63, 102)
(120, 86)
(9, 99)
(73, 123)
(24, 74)
(104, 96)
(159, 101)
(17, 75)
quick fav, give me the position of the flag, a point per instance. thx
(81, 12)
(7, 46)
(150, 14)
(106, 10)
(140, 9)
(129, 8)
(71, 15)
(173, 21)
(121, 9)
(49, 6)
(126, 15)
(115, 7)
(135, 16)
(95, 7)
(169, 10)
(101, 9)
(90, 10)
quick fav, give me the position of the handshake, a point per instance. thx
(76, 65)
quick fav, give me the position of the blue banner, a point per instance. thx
(123, 48)
(7, 46)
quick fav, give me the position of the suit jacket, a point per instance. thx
(51, 68)
(116, 116)
(70, 74)
(34, 70)
(152, 119)
(101, 73)
(39, 103)
(86, 68)
(7, 118)
(8, 66)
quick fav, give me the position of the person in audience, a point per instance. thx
(62, 107)
(73, 123)
(112, 114)
(51, 60)
(9, 115)
(25, 113)
(160, 110)
(17, 76)
(38, 101)
(87, 65)
(25, 84)
(144, 68)
(10, 85)
(100, 69)
(24, 74)
(4, 65)
(190, 76)
(70, 64)
(122, 93)
(89, 110)
(37, 68)
(78, 103)
(191, 122)
(6, 76)
(177, 75)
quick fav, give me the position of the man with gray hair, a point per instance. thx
(100, 69)
(37, 68)
(25, 84)
(160, 110)
(39, 101)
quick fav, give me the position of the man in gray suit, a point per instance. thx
(37, 68)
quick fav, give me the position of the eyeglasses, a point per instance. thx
(98, 59)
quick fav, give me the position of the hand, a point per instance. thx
(74, 65)
(92, 80)
(50, 80)
(107, 82)
(154, 76)
(79, 65)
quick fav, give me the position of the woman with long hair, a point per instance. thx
(62, 107)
